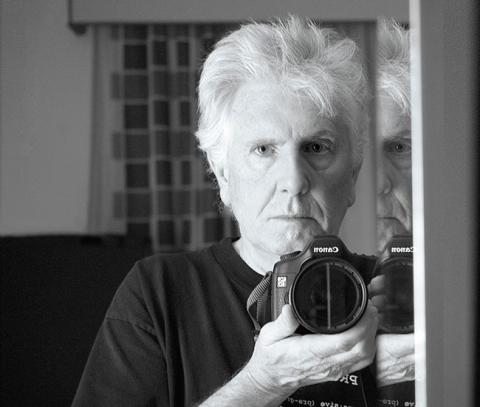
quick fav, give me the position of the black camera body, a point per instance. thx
(323, 286)
(396, 265)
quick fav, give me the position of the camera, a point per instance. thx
(396, 265)
(323, 285)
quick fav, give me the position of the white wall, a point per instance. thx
(45, 119)
(445, 172)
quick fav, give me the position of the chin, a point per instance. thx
(387, 228)
(292, 240)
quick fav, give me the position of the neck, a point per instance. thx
(258, 260)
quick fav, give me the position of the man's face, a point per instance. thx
(395, 172)
(289, 174)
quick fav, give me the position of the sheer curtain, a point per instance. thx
(106, 201)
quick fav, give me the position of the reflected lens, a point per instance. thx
(397, 313)
(328, 296)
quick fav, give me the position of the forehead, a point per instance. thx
(259, 107)
(392, 122)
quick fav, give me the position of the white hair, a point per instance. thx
(393, 63)
(294, 52)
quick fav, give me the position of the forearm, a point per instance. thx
(242, 390)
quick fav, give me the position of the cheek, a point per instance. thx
(333, 199)
(403, 188)
(335, 186)
(247, 196)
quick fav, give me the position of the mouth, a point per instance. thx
(392, 224)
(388, 218)
(293, 218)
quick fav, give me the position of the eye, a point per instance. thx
(263, 149)
(318, 147)
(399, 147)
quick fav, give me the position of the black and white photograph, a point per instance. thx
(266, 203)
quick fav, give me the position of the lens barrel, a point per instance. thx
(328, 295)
(396, 315)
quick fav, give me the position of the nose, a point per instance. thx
(384, 181)
(293, 175)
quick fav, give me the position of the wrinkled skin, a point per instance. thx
(289, 175)
(394, 199)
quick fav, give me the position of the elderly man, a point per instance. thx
(395, 353)
(281, 123)
(395, 187)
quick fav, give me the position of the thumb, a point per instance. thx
(283, 327)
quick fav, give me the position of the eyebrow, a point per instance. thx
(260, 139)
(399, 135)
(323, 132)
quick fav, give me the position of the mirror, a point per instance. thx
(395, 343)
(154, 188)
(173, 203)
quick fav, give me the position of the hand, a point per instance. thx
(283, 361)
(376, 290)
(395, 358)
(395, 352)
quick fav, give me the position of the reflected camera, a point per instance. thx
(396, 265)
(326, 291)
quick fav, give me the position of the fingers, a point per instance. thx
(350, 350)
(379, 301)
(366, 327)
(284, 326)
(395, 358)
(282, 357)
(395, 345)
(376, 286)
(353, 359)
(352, 363)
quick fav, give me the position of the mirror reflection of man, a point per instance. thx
(394, 201)
(282, 125)
(395, 352)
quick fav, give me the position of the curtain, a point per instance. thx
(168, 199)
(106, 201)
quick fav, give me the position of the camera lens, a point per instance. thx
(397, 312)
(328, 295)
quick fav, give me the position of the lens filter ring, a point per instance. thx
(328, 295)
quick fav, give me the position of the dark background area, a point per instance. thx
(55, 292)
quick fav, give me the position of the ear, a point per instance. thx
(352, 194)
(221, 174)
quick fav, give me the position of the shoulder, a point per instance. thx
(162, 277)
(168, 268)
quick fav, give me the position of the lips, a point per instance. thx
(293, 217)
(387, 218)
(392, 224)
(389, 221)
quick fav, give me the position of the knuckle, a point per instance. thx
(337, 373)
(344, 346)
(363, 352)
(266, 329)
(372, 310)
(264, 333)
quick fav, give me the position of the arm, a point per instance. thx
(126, 365)
(282, 362)
(125, 368)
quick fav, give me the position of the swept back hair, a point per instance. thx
(393, 63)
(294, 53)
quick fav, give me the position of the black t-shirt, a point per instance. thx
(177, 330)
